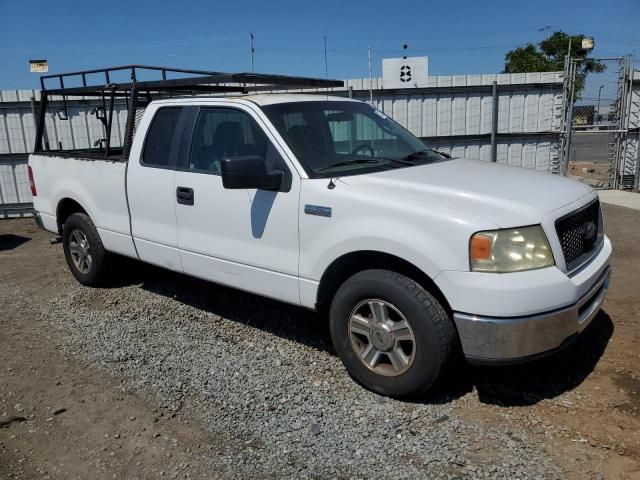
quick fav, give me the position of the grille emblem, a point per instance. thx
(588, 231)
(578, 233)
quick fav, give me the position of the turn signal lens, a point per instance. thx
(510, 250)
(480, 247)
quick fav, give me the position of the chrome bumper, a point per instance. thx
(512, 340)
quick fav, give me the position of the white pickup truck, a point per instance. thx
(325, 202)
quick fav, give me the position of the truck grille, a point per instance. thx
(579, 233)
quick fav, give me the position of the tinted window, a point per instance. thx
(157, 148)
(225, 132)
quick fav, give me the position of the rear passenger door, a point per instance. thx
(247, 239)
(150, 187)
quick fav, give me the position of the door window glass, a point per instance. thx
(226, 132)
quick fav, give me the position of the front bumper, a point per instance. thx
(511, 340)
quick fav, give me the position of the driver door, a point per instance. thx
(245, 238)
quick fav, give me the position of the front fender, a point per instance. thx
(433, 238)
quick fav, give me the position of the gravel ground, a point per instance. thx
(264, 372)
(164, 376)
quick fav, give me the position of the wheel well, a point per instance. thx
(350, 264)
(66, 207)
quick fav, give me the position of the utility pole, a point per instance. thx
(326, 70)
(251, 50)
(370, 78)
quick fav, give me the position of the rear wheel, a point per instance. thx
(83, 250)
(391, 334)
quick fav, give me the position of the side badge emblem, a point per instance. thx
(317, 210)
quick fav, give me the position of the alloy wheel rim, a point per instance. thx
(80, 251)
(381, 337)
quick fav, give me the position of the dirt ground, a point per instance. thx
(60, 418)
(597, 174)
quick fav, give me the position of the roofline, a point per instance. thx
(248, 98)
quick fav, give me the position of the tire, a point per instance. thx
(397, 299)
(92, 272)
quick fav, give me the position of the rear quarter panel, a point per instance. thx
(97, 185)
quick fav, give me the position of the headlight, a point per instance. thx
(510, 250)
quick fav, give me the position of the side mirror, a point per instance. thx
(249, 172)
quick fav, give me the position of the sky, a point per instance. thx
(459, 37)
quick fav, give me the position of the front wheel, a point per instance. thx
(391, 334)
(83, 250)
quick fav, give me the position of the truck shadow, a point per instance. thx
(9, 241)
(517, 385)
(529, 383)
(286, 321)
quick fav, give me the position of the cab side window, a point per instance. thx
(161, 138)
(227, 132)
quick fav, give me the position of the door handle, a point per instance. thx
(184, 195)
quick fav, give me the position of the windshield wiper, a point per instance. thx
(355, 161)
(415, 155)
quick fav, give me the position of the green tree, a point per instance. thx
(549, 55)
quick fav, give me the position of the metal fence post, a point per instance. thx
(618, 156)
(494, 123)
(636, 180)
(562, 134)
(637, 172)
(564, 168)
(2, 202)
(625, 119)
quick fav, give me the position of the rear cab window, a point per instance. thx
(163, 138)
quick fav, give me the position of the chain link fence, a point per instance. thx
(594, 113)
(602, 114)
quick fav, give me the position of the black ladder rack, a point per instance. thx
(189, 82)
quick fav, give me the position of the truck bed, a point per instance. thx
(98, 184)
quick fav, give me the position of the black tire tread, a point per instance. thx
(440, 320)
(101, 256)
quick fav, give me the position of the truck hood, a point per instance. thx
(507, 196)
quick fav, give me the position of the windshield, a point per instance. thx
(337, 138)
